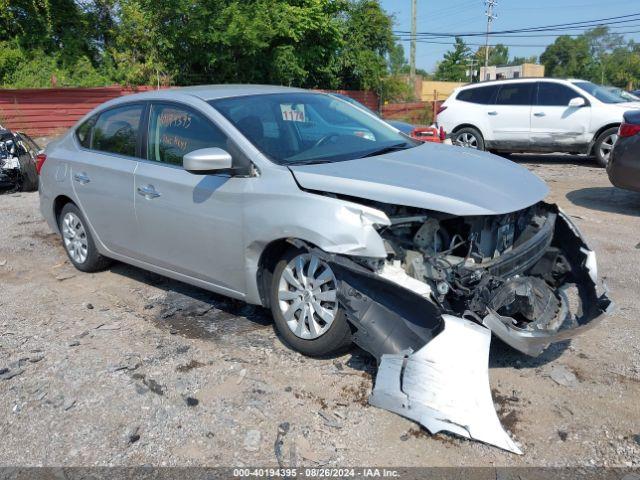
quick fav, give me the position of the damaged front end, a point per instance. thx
(18, 161)
(527, 276)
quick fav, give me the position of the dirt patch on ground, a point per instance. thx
(157, 372)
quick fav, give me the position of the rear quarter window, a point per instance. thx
(116, 130)
(83, 132)
(480, 95)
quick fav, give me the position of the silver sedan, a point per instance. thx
(346, 228)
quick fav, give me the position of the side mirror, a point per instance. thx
(207, 160)
(577, 102)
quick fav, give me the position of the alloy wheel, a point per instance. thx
(307, 298)
(467, 139)
(75, 237)
(606, 146)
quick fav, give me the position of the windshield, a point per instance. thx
(354, 102)
(303, 128)
(628, 96)
(601, 93)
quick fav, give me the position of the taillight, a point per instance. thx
(40, 159)
(443, 134)
(628, 130)
(441, 109)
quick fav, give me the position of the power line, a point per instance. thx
(429, 42)
(557, 27)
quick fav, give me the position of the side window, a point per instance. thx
(83, 132)
(480, 95)
(116, 130)
(555, 94)
(515, 94)
(175, 131)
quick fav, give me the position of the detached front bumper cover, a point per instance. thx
(444, 386)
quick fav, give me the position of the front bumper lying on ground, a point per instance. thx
(433, 362)
(444, 386)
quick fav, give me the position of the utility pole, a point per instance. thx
(412, 54)
(471, 65)
(490, 18)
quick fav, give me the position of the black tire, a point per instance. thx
(28, 174)
(459, 138)
(336, 339)
(94, 262)
(602, 159)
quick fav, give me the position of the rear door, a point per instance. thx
(554, 125)
(189, 224)
(102, 175)
(510, 116)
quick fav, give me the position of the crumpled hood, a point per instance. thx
(443, 178)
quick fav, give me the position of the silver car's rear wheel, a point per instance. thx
(307, 296)
(77, 240)
(75, 237)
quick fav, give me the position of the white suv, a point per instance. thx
(535, 115)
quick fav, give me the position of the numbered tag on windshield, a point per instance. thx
(293, 112)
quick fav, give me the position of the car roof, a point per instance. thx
(212, 92)
(519, 80)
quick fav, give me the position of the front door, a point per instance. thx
(510, 116)
(554, 125)
(190, 224)
(102, 175)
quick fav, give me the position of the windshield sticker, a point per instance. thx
(293, 112)
(176, 119)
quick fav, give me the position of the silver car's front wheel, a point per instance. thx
(75, 237)
(307, 296)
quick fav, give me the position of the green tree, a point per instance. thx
(308, 43)
(455, 63)
(397, 62)
(622, 66)
(521, 60)
(569, 57)
(498, 55)
(367, 39)
(601, 44)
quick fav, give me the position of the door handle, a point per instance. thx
(492, 113)
(539, 114)
(82, 178)
(148, 192)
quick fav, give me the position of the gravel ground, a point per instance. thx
(125, 367)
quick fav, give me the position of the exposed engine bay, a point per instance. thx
(427, 311)
(484, 264)
(17, 161)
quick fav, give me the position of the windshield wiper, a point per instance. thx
(388, 149)
(310, 162)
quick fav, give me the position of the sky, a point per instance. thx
(455, 16)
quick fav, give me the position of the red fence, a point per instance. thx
(419, 113)
(50, 111)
